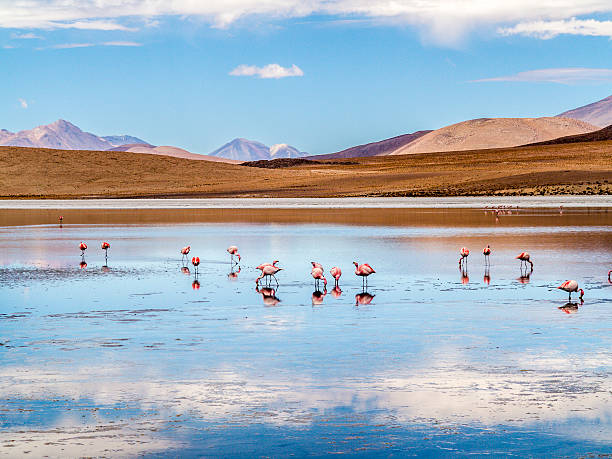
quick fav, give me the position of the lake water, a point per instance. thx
(129, 357)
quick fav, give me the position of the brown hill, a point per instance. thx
(485, 133)
(170, 151)
(596, 136)
(383, 147)
(526, 170)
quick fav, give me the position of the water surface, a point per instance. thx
(127, 358)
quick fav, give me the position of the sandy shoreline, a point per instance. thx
(314, 203)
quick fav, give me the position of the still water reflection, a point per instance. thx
(138, 356)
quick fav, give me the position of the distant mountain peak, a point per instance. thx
(242, 149)
(61, 134)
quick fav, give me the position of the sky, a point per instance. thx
(321, 75)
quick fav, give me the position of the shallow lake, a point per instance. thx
(130, 357)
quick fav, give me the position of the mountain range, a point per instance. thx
(473, 134)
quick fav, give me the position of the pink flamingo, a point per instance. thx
(336, 273)
(195, 261)
(316, 265)
(571, 286)
(105, 246)
(263, 265)
(525, 258)
(233, 250)
(486, 252)
(269, 271)
(83, 248)
(317, 274)
(185, 251)
(61, 219)
(464, 252)
(363, 270)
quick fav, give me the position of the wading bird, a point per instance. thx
(317, 274)
(363, 270)
(269, 272)
(195, 261)
(486, 252)
(316, 265)
(61, 219)
(336, 273)
(83, 248)
(263, 265)
(233, 250)
(571, 286)
(464, 253)
(105, 246)
(185, 252)
(525, 258)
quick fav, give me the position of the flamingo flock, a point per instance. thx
(268, 272)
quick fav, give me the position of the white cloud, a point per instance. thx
(268, 71)
(550, 29)
(444, 21)
(560, 75)
(72, 45)
(121, 43)
(23, 103)
(24, 36)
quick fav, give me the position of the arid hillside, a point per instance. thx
(584, 168)
(495, 133)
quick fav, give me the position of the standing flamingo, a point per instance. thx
(336, 273)
(486, 252)
(317, 274)
(185, 251)
(464, 252)
(269, 271)
(316, 265)
(363, 270)
(195, 261)
(233, 250)
(83, 248)
(263, 265)
(571, 286)
(105, 246)
(525, 258)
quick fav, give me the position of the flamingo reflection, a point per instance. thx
(268, 295)
(233, 275)
(336, 292)
(105, 269)
(318, 296)
(525, 275)
(570, 308)
(61, 219)
(363, 298)
(185, 270)
(465, 278)
(487, 276)
(195, 284)
(82, 264)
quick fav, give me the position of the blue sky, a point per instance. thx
(347, 71)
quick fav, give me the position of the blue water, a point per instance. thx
(130, 359)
